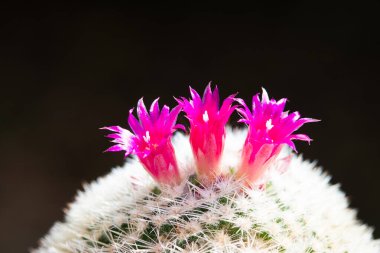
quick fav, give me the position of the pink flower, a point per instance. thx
(207, 129)
(151, 141)
(270, 128)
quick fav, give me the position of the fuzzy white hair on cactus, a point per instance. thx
(217, 190)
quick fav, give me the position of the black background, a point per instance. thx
(67, 70)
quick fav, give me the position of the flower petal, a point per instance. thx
(134, 124)
(143, 114)
(115, 148)
(301, 137)
(154, 109)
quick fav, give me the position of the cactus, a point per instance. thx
(290, 207)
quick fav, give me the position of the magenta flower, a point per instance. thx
(151, 141)
(270, 128)
(207, 129)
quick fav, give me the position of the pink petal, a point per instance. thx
(207, 95)
(154, 109)
(173, 115)
(291, 145)
(281, 104)
(163, 116)
(215, 95)
(264, 97)
(301, 137)
(113, 128)
(243, 121)
(180, 126)
(256, 104)
(134, 124)
(226, 106)
(115, 148)
(195, 96)
(143, 115)
(243, 113)
(113, 136)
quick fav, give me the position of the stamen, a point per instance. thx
(269, 124)
(146, 137)
(205, 117)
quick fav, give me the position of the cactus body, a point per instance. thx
(296, 210)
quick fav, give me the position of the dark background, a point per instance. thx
(65, 71)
